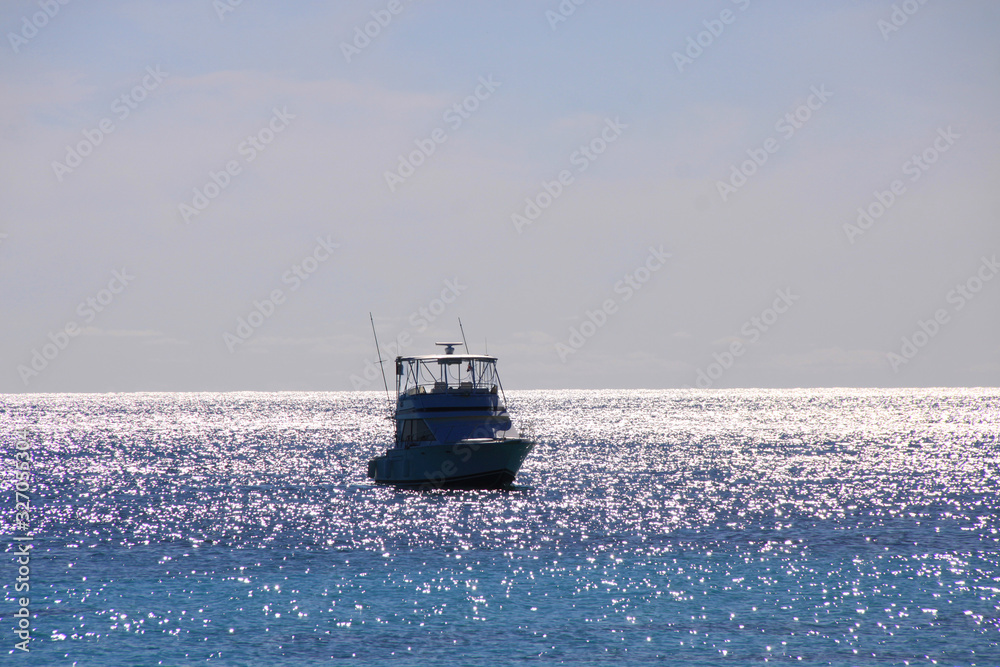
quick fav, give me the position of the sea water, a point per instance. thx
(806, 527)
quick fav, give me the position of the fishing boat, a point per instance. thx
(452, 425)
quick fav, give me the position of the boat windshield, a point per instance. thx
(447, 373)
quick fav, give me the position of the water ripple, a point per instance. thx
(831, 527)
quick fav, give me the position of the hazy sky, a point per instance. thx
(213, 196)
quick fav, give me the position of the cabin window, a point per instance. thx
(412, 430)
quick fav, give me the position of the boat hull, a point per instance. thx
(469, 464)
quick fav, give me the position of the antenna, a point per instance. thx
(379, 353)
(464, 342)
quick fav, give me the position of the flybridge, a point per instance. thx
(446, 373)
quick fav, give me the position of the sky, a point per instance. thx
(207, 195)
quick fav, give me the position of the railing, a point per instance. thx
(450, 388)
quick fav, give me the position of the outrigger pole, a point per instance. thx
(379, 353)
(467, 351)
(464, 342)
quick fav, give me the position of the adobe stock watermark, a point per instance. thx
(364, 34)
(915, 167)
(562, 12)
(958, 297)
(581, 159)
(88, 309)
(714, 28)
(453, 117)
(248, 149)
(751, 330)
(627, 287)
(122, 107)
(223, 7)
(786, 126)
(899, 17)
(37, 21)
(419, 321)
(23, 467)
(294, 277)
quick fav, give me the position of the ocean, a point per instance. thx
(674, 527)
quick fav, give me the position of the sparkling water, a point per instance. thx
(807, 527)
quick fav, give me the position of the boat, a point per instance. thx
(452, 425)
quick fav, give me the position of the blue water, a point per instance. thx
(806, 527)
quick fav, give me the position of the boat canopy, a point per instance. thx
(446, 358)
(436, 373)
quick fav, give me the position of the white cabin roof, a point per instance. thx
(448, 357)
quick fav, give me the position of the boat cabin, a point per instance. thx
(448, 398)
